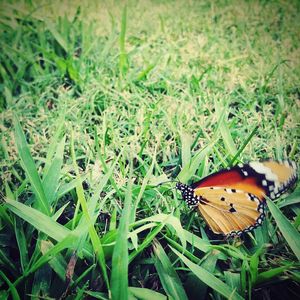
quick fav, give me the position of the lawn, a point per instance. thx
(102, 103)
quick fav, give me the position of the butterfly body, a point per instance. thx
(232, 201)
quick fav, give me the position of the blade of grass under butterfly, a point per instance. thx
(209, 279)
(30, 169)
(169, 220)
(289, 232)
(167, 275)
(293, 198)
(119, 273)
(196, 241)
(178, 247)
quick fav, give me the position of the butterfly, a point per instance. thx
(232, 201)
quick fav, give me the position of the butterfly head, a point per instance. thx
(187, 194)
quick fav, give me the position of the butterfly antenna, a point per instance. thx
(166, 182)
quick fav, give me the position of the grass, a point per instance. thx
(101, 102)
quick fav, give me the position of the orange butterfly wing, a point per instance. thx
(230, 211)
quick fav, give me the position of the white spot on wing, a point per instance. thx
(262, 169)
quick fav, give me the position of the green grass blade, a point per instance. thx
(22, 243)
(38, 220)
(30, 169)
(57, 263)
(119, 273)
(51, 178)
(233, 280)
(197, 242)
(191, 168)
(142, 190)
(209, 279)
(224, 130)
(69, 242)
(57, 35)
(96, 243)
(123, 59)
(42, 281)
(144, 294)
(13, 290)
(294, 198)
(146, 242)
(168, 276)
(289, 232)
(248, 139)
(169, 220)
(52, 149)
(185, 149)
(270, 274)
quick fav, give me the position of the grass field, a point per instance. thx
(102, 101)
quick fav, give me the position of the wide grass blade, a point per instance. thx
(294, 198)
(30, 169)
(270, 274)
(22, 243)
(51, 178)
(190, 169)
(209, 279)
(54, 142)
(224, 129)
(69, 242)
(119, 273)
(38, 220)
(289, 232)
(168, 276)
(169, 220)
(57, 263)
(185, 149)
(136, 293)
(248, 139)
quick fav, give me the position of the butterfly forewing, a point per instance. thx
(266, 178)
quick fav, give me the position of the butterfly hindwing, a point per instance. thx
(229, 211)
